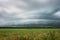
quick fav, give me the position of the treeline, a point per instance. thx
(29, 27)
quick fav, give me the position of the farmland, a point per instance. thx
(29, 34)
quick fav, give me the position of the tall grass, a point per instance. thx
(49, 35)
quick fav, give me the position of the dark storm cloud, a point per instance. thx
(29, 11)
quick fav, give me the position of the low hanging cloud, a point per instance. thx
(29, 11)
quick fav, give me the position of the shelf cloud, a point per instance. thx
(29, 11)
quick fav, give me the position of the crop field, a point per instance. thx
(29, 34)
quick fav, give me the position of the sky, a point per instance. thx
(29, 12)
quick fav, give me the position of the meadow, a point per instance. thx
(29, 34)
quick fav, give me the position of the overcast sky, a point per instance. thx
(29, 11)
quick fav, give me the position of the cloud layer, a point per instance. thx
(29, 11)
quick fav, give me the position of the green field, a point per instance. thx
(29, 34)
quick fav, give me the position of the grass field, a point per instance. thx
(29, 34)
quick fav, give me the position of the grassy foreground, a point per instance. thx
(29, 34)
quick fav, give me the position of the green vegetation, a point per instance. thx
(29, 34)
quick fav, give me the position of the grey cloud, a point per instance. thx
(13, 10)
